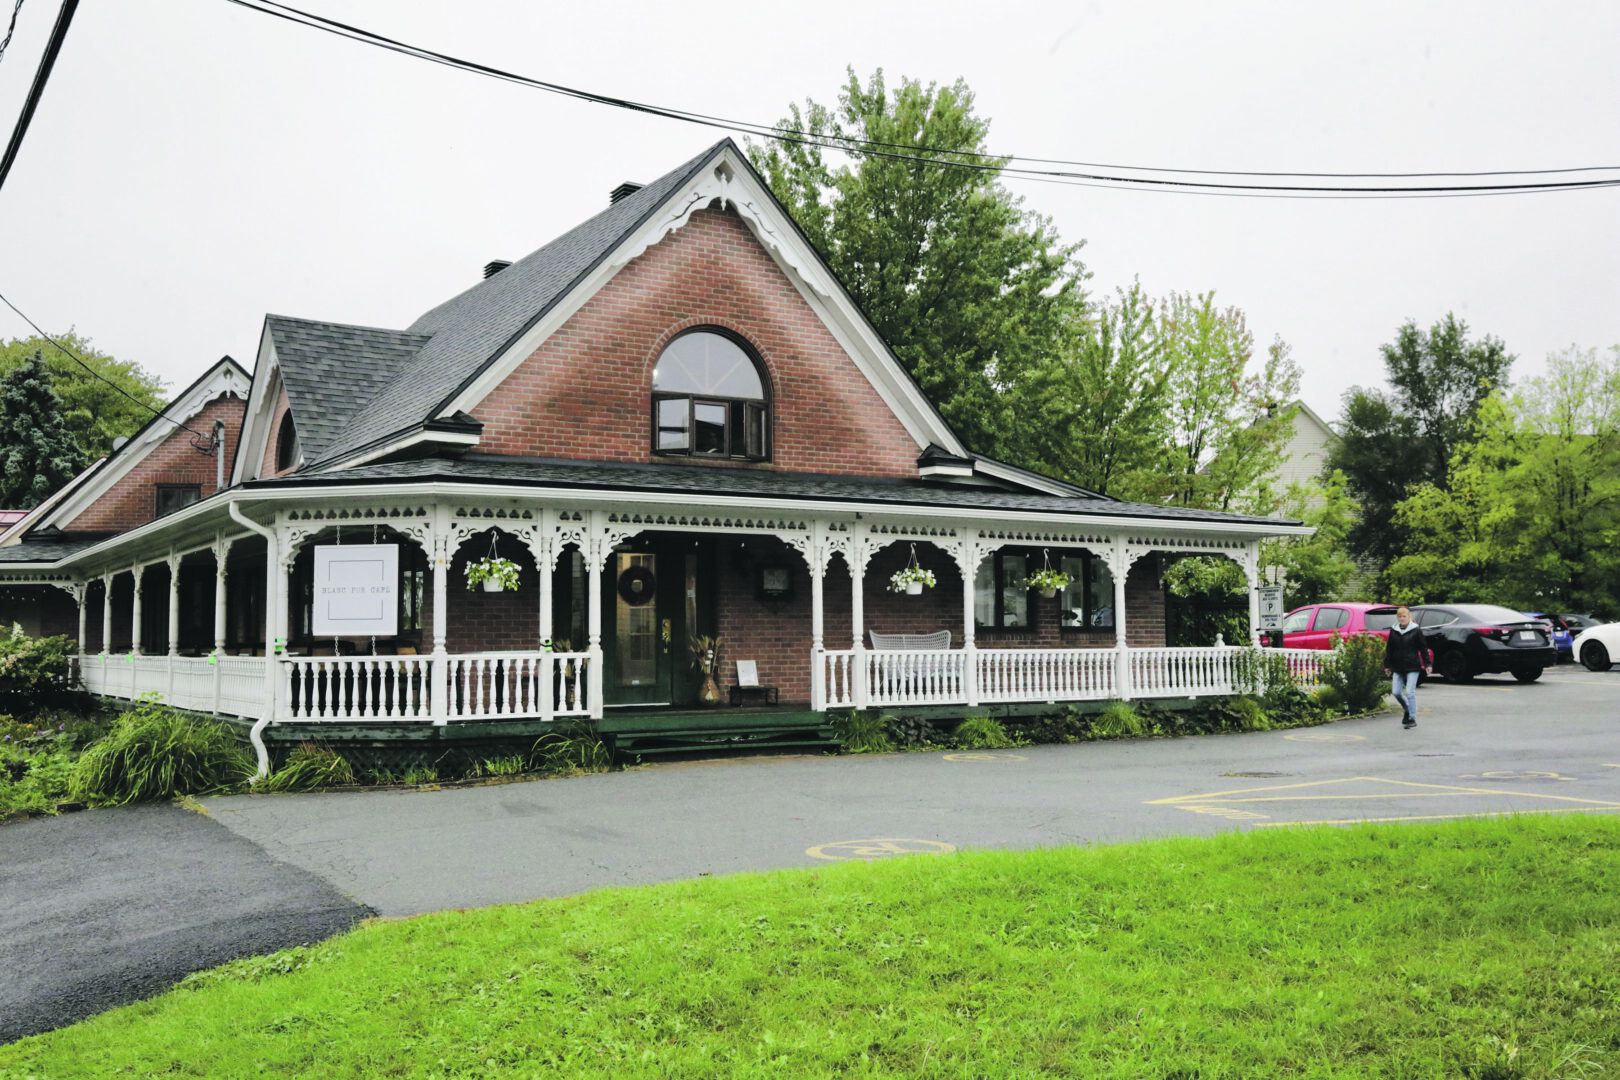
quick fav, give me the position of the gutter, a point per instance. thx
(256, 735)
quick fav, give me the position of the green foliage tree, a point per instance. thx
(1531, 513)
(95, 412)
(1392, 442)
(1318, 567)
(970, 289)
(36, 449)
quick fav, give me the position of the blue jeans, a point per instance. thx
(1403, 684)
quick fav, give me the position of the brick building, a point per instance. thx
(674, 421)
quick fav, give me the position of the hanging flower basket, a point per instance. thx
(1049, 581)
(911, 581)
(495, 574)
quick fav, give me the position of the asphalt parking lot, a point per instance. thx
(111, 906)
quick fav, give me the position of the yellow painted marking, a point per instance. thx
(1530, 774)
(1443, 817)
(1296, 794)
(1313, 737)
(1223, 811)
(985, 757)
(877, 849)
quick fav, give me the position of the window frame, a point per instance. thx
(748, 421)
(289, 448)
(159, 490)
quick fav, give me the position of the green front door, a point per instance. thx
(644, 626)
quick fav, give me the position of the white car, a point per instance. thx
(1597, 646)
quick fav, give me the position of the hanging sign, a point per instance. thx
(1271, 607)
(356, 590)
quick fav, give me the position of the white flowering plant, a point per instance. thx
(493, 568)
(911, 575)
(1049, 580)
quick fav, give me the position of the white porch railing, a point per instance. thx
(496, 685)
(1045, 674)
(356, 688)
(937, 677)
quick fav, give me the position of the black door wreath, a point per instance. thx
(636, 585)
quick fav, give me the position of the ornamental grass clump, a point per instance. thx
(153, 752)
(310, 767)
(861, 732)
(1118, 721)
(982, 733)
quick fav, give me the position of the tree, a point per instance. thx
(36, 448)
(1317, 567)
(1094, 415)
(969, 289)
(1392, 442)
(1531, 512)
(94, 412)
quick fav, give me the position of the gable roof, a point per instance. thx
(224, 376)
(467, 333)
(333, 371)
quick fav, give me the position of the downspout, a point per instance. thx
(257, 733)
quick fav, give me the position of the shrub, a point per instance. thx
(982, 733)
(34, 672)
(157, 753)
(1250, 715)
(1069, 726)
(504, 766)
(861, 732)
(1356, 672)
(34, 771)
(569, 752)
(310, 767)
(1328, 699)
(911, 732)
(1118, 721)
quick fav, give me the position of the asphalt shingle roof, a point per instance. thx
(51, 549)
(468, 331)
(333, 371)
(697, 480)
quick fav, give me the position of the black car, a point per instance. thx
(1478, 639)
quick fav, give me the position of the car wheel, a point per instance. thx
(1595, 656)
(1454, 666)
(1527, 674)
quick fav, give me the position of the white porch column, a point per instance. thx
(1120, 558)
(106, 613)
(1251, 571)
(969, 552)
(174, 607)
(222, 549)
(272, 669)
(861, 547)
(79, 594)
(443, 553)
(599, 543)
(138, 573)
(543, 546)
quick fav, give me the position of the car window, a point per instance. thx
(1331, 618)
(1434, 618)
(1297, 621)
(1380, 620)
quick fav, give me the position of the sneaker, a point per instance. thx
(1409, 723)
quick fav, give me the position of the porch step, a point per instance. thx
(633, 734)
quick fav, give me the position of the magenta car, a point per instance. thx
(1320, 626)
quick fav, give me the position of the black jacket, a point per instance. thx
(1405, 651)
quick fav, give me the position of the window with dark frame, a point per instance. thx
(287, 448)
(1001, 597)
(1088, 601)
(1001, 592)
(172, 497)
(709, 399)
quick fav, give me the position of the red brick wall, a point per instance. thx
(267, 464)
(586, 392)
(780, 640)
(483, 621)
(133, 500)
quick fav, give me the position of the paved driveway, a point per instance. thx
(108, 907)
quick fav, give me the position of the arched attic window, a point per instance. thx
(710, 398)
(287, 448)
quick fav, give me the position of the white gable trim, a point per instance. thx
(730, 182)
(225, 377)
(256, 434)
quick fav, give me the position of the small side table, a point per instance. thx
(739, 694)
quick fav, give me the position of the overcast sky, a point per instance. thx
(195, 165)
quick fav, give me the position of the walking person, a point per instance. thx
(1404, 657)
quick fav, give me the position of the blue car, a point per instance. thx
(1563, 637)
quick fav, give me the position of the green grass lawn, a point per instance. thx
(1483, 949)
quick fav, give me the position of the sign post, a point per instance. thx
(1271, 609)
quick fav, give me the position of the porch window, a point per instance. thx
(709, 399)
(1088, 602)
(1001, 592)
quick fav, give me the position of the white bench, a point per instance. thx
(910, 642)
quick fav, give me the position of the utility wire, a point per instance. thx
(12, 29)
(982, 162)
(159, 413)
(41, 76)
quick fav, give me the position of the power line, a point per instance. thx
(41, 76)
(159, 413)
(981, 162)
(12, 29)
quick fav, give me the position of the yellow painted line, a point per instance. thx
(1440, 817)
(877, 849)
(985, 757)
(1253, 795)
